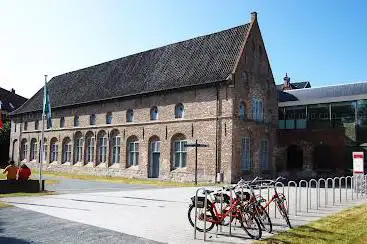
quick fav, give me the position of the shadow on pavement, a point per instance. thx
(139, 198)
(45, 205)
(91, 201)
(10, 240)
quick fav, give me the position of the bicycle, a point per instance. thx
(235, 210)
(278, 198)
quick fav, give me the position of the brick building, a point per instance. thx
(132, 116)
(9, 102)
(319, 128)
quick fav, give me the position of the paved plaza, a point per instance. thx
(161, 214)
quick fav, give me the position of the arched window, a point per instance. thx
(129, 115)
(24, 149)
(62, 122)
(179, 110)
(109, 118)
(115, 142)
(36, 125)
(90, 147)
(33, 150)
(54, 150)
(66, 155)
(102, 147)
(78, 147)
(179, 151)
(92, 119)
(76, 121)
(242, 111)
(154, 113)
(133, 151)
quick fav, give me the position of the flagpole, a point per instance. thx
(42, 134)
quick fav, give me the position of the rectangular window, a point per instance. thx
(264, 155)
(54, 152)
(257, 110)
(133, 153)
(90, 150)
(45, 152)
(67, 152)
(25, 151)
(116, 150)
(33, 151)
(180, 154)
(246, 154)
(103, 149)
(79, 150)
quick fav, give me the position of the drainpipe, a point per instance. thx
(216, 133)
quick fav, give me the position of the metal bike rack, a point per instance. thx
(317, 192)
(325, 189)
(334, 180)
(346, 186)
(196, 210)
(300, 194)
(340, 187)
(290, 183)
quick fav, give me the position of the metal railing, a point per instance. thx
(318, 193)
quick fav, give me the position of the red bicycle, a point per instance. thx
(213, 216)
(279, 199)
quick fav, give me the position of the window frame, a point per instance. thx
(179, 153)
(246, 162)
(133, 150)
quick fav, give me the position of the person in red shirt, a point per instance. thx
(24, 172)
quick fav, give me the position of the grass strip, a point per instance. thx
(348, 226)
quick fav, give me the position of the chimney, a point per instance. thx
(253, 16)
(12, 90)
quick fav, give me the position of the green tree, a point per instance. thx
(4, 143)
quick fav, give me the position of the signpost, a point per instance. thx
(196, 145)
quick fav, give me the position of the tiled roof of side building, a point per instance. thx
(10, 101)
(198, 61)
(327, 94)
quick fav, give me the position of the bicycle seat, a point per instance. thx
(208, 191)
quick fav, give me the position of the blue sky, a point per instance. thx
(324, 42)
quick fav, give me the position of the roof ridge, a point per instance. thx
(152, 49)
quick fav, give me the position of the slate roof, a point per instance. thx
(10, 101)
(202, 60)
(327, 94)
(297, 85)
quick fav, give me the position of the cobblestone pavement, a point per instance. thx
(161, 214)
(18, 226)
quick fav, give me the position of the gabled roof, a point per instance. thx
(296, 85)
(10, 101)
(327, 94)
(202, 60)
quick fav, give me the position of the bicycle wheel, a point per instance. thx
(200, 218)
(282, 206)
(264, 218)
(250, 224)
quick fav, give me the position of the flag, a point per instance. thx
(47, 106)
